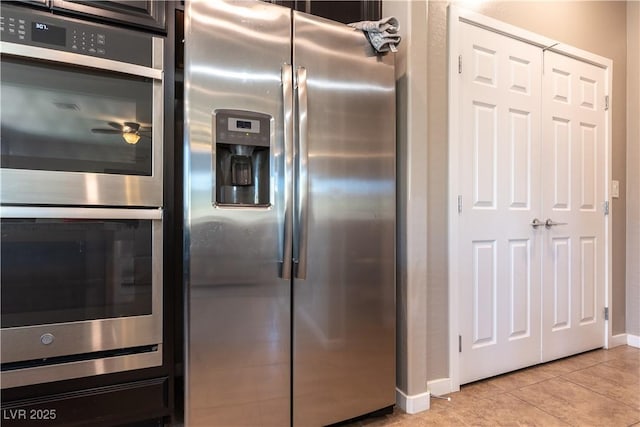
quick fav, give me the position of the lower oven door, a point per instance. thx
(81, 292)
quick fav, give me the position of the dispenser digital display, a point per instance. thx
(243, 158)
(244, 125)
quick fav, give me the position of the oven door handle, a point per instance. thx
(79, 213)
(39, 53)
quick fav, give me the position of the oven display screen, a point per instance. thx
(46, 33)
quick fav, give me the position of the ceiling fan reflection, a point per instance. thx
(131, 131)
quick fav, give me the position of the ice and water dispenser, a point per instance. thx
(242, 144)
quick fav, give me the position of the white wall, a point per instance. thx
(633, 168)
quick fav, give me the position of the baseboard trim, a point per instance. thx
(439, 387)
(413, 404)
(617, 340)
(633, 340)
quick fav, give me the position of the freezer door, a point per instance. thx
(238, 303)
(344, 292)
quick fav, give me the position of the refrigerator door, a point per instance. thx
(344, 310)
(238, 303)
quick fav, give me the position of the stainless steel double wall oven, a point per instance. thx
(81, 194)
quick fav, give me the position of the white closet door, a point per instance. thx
(499, 251)
(573, 278)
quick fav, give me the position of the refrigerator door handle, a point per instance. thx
(303, 173)
(287, 105)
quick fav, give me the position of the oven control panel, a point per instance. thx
(44, 29)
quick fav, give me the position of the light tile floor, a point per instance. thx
(597, 388)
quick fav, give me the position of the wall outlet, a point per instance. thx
(615, 189)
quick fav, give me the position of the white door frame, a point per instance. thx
(455, 17)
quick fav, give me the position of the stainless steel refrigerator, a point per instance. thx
(289, 218)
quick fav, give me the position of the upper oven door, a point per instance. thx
(78, 129)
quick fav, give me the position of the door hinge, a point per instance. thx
(606, 102)
(606, 207)
(459, 64)
(459, 343)
(459, 204)
(606, 313)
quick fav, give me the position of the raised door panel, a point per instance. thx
(485, 316)
(485, 149)
(561, 284)
(520, 316)
(561, 160)
(520, 161)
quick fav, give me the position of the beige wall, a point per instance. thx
(633, 168)
(595, 26)
(412, 205)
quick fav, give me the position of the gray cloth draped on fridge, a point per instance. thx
(383, 34)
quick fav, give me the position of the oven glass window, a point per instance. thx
(62, 118)
(58, 270)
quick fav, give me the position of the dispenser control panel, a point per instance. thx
(242, 127)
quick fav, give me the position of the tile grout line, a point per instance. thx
(596, 391)
(536, 406)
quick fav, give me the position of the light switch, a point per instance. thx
(615, 189)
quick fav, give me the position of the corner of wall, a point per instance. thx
(411, 240)
(413, 404)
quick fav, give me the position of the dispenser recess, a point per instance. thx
(243, 158)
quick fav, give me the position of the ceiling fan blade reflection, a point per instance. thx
(107, 131)
(115, 125)
(132, 125)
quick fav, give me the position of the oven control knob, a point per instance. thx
(47, 339)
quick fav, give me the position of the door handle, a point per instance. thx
(536, 223)
(287, 115)
(302, 185)
(549, 223)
